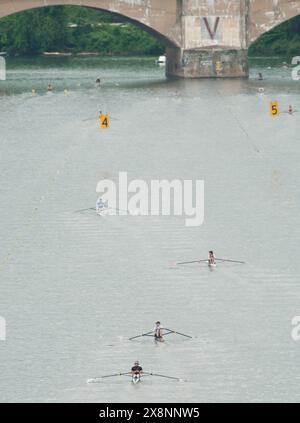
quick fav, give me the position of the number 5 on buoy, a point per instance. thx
(104, 121)
(274, 109)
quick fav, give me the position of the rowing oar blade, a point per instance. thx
(140, 336)
(178, 333)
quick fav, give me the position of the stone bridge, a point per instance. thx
(203, 38)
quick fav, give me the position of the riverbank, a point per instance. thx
(84, 54)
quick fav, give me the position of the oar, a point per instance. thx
(140, 336)
(178, 333)
(94, 380)
(231, 261)
(115, 208)
(167, 377)
(167, 333)
(191, 262)
(91, 208)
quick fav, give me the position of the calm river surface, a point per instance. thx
(75, 286)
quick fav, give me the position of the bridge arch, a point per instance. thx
(185, 25)
(265, 15)
(157, 17)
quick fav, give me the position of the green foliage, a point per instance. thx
(73, 29)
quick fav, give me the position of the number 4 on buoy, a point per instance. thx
(104, 121)
(274, 109)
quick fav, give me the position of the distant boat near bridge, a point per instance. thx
(161, 60)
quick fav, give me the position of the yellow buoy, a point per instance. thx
(104, 121)
(274, 109)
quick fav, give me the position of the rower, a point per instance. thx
(158, 335)
(101, 205)
(211, 258)
(49, 88)
(260, 76)
(290, 110)
(136, 370)
(98, 82)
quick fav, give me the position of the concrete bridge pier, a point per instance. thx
(211, 62)
(213, 40)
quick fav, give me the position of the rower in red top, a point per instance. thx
(211, 258)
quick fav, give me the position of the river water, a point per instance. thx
(75, 286)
